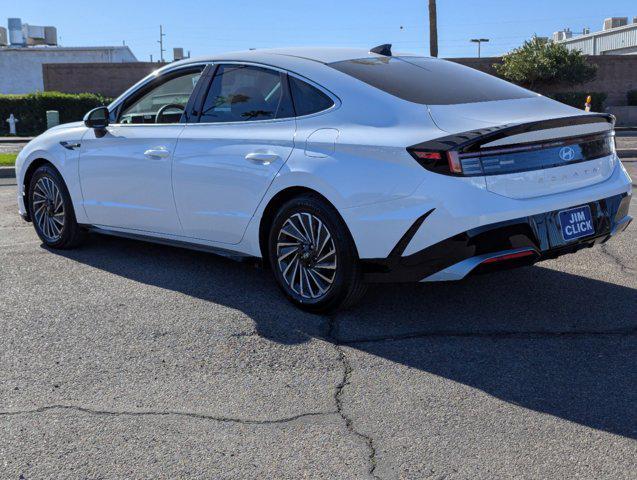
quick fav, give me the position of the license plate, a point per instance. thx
(576, 223)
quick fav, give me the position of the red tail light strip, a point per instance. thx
(510, 256)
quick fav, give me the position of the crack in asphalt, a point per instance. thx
(338, 395)
(618, 261)
(201, 416)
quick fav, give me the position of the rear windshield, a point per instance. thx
(430, 81)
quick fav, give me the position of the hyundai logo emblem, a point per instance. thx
(567, 154)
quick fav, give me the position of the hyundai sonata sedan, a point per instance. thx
(334, 167)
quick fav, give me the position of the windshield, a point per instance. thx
(430, 81)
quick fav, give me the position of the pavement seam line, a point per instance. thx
(143, 413)
(338, 396)
(617, 260)
(415, 336)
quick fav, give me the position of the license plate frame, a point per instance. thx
(576, 223)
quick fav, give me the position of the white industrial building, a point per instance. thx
(618, 37)
(25, 48)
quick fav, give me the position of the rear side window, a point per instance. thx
(307, 99)
(430, 81)
(240, 93)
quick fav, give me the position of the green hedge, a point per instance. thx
(578, 99)
(631, 96)
(30, 109)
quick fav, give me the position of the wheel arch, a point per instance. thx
(28, 175)
(273, 206)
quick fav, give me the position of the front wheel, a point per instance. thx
(313, 256)
(51, 210)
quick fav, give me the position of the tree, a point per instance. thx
(539, 63)
(433, 29)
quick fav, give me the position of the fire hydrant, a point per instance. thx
(12, 121)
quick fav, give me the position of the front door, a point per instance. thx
(224, 164)
(125, 170)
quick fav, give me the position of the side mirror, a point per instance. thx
(97, 118)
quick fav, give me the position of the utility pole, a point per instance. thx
(433, 29)
(479, 42)
(161, 43)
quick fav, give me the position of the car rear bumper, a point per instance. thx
(521, 241)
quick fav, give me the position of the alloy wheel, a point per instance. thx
(48, 209)
(306, 255)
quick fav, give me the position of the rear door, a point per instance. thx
(225, 162)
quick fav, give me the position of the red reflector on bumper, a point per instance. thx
(509, 256)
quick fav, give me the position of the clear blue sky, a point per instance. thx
(222, 25)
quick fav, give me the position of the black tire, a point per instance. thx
(65, 233)
(346, 286)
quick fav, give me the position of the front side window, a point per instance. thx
(240, 93)
(163, 103)
(430, 81)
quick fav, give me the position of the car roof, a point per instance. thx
(307, 62)
(323, 55)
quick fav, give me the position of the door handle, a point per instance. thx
(157, 153)
(262, 158)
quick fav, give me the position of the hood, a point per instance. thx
(473, 116)
(66, 126)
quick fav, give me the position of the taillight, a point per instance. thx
(473, 159)
(455, 166)
(426, 155)
(441, 162)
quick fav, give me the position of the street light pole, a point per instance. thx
(479, 42)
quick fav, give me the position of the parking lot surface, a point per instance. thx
(129, 360)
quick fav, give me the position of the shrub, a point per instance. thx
(578, 99)
(631, 96)
(30, 109)
(539, 63)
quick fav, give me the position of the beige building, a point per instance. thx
(619, 37)
(21, 67)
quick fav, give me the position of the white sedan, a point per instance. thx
(336, 167)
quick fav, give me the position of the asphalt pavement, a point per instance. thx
(128, 360)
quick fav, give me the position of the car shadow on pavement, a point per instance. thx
(546, 340)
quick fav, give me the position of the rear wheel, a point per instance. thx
(51, 210)
(313, 256)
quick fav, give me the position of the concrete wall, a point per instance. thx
(108, 79)
(21, 68)
(626, 116)
(616, 75)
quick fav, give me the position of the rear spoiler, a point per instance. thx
(473, 140)
(478, 152)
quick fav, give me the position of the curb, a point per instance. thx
(7, 172)
(15, 139)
